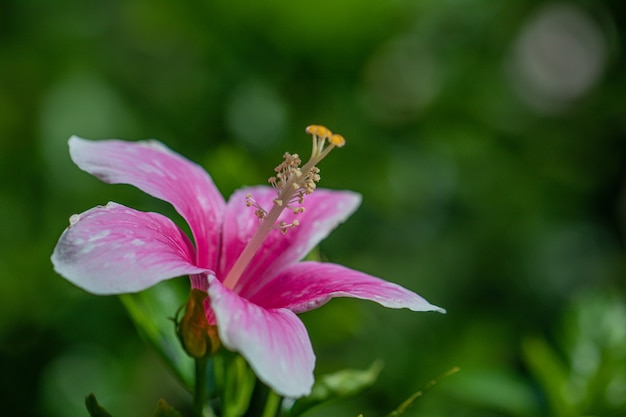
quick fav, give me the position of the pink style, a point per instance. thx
(246, 252)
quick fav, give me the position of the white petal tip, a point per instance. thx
(429, 307)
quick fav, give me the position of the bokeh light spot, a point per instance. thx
(559, 56)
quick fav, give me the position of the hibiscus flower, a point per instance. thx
(245, 254)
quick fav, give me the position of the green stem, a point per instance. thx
(200, 390)
(271, 404)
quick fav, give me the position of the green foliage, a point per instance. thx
(95, 409)
(163, 409)
(583, 374)
(343, 383)
(402, 408)
(152, 312)
(235, 383)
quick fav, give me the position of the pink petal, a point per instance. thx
(325, 210)
(162, 173)
(273, 341)
(308, 285)
(115, 250)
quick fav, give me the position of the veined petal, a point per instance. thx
(324, 211)
(308, 285)
(162, 173)
(115, 249)
(273, 341)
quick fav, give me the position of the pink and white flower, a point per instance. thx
(246, 258)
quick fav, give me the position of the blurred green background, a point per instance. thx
(487, 139)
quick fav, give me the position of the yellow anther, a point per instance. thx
(318, 130)
(312, 129)
(337, 140)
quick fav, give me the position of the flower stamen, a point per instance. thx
(291, 184)
(260, 212)
(284, 226)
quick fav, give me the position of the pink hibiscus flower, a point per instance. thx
(245, 253)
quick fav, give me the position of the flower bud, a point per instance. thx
(198, 337)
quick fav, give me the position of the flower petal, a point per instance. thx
(308, 285)
(325, 210)
(162, 173)
(273, 341)
(115, 250)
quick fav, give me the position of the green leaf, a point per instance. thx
(235, 381)
(95, 409)
(152, 311)
(164, 410)
(337, 385)
(550, 371)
